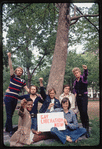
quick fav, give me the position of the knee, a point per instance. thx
(83, 130)
(53, 129)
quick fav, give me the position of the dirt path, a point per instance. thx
(93, 109)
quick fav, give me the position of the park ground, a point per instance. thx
(94, 118)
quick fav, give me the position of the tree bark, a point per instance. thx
(56, 77)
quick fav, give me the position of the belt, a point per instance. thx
(33, 115)
(80, 95)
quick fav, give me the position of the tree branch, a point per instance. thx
(74, 10)
(74, 22)
(37, 65)
(85, 17)
(19, 10)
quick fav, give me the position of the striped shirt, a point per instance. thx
(15, 86)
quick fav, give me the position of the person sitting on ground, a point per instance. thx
(48, 99)
(36, 98)
(24, 134)
(67, 93)
(72, 131)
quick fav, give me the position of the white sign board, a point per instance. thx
(48, 120)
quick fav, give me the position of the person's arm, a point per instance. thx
(26, 88)
(85, 74)
(23, 96)
(72, 96)
(75, 95)
(42, 91)
(10, 64)
(74, 123)
(41, 100)
(21, 110)
(41, 82)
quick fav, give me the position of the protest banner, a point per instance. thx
(48, 120)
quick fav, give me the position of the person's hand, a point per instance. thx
(41, 79)
(65, 121)
(7, 90)
(50, 105)
(84, 66)
(38, 132)
(9, 54)
(23, 102)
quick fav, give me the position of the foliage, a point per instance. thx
(73, 60)
(31, 34)
(30, 25)
(6, 79)
(93, 69)
(77, 60)
(84, 32)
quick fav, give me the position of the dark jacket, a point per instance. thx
(35, 103)
(80, 87)
(47, 101)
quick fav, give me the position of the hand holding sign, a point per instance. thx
(65, 121)
(48, 120)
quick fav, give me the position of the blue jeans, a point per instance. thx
(10, 105)
(61, 134)
(34, 123)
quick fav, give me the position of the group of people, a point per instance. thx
(68, 103)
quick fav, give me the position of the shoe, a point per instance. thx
(87, 134)
(11, 133)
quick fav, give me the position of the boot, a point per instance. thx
(87, 132)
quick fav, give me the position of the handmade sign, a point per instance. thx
(48, 120)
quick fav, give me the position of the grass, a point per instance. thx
(94, 139)
(14, 119)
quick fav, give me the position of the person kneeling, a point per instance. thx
(72, 131)
(24, 134)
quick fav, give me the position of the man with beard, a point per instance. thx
(11, 96)
(36, 98)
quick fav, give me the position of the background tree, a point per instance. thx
(59, 58)
(28, 30)
(35, 25)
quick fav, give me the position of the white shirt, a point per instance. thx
(72, 101)
(52, 108)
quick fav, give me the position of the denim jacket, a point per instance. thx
(47, 101)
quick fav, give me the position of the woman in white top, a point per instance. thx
(67, 93)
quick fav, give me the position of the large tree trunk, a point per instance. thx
(56, 77)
